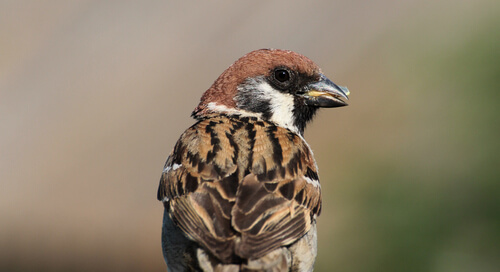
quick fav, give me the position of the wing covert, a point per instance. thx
(241, 188)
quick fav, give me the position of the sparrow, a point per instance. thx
(240, 189)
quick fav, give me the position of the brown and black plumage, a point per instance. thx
(240, 189)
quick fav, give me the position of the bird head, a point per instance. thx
(278, 86)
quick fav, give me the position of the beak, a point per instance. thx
(326, 94)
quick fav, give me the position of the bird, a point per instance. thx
(240, 189)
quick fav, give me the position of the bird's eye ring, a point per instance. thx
(282, 75)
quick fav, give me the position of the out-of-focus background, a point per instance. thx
(94, 94)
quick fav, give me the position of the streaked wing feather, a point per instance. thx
(228, 188)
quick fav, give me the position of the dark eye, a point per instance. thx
(282, 75)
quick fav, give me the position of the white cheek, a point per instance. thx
(281, 106)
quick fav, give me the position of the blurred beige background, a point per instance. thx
(94, 94)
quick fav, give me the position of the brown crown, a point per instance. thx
(255, 63)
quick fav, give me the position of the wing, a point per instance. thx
(199, 183)
(277, 202)
(241, 187)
